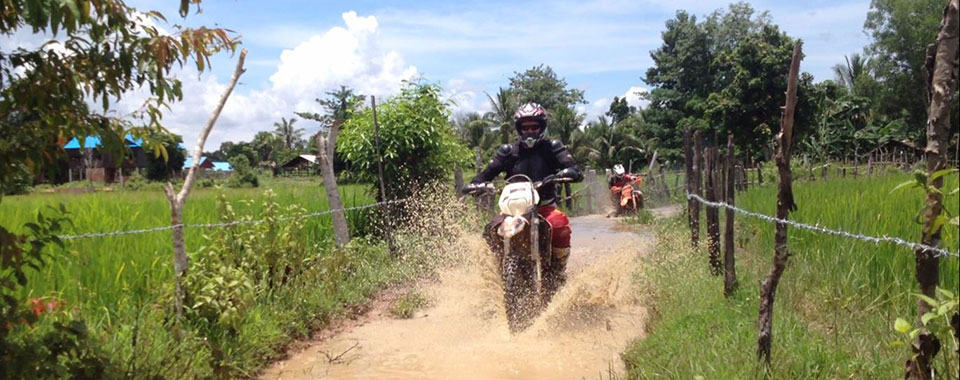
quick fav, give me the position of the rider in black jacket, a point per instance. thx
(538, 159)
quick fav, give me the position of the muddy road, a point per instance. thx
(463, 333)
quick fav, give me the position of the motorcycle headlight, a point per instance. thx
(511, 226)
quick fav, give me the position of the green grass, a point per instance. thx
(835, 305)
(103, 272)
(120, 285)
(408, 304)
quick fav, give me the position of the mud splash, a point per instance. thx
(464, 334)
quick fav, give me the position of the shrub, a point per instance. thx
(243, 175)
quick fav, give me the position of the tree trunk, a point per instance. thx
(941, 59)
(457, 180)
(759, 173)
(729, 264)
(697, 170)
(180, 262)
(785, 204)
(713, 213)
(327, 150)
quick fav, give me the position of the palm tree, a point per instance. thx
(847, 74)
(503, 107)
(286, 132)
(610, 143)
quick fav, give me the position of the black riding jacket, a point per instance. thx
(546, 158)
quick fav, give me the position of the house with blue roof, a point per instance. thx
(85, 161)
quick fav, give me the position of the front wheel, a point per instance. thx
(518, 295)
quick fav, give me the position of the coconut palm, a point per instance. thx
(287, 133)
(503, 106)
(848, 74)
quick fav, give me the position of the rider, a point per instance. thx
(537, 158)
(616, 183)
(621, 177)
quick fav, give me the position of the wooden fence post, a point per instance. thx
(729, 263)
(942, 65)
(785, 204)
(713, 213)
(697, 181)
(663, 182)
(759, 173)
(326, 146)
(689, 164)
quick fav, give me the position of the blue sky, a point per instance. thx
(298, 50)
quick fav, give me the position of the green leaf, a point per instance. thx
(902, 326)
(945, 293)
(915, 183)
(930, 301)
(942, 173)
(926, 318)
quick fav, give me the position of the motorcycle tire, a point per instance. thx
(518, 295)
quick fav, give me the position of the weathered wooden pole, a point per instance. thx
(326, 147)
(941, 62)
(688, 162)
(177, 199)
(729, 263)
(697, 180)
(713, 213)
(388, 227)
(785, 204)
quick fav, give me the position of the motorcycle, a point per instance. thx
(521, 240)
(627, 198)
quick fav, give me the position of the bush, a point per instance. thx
(243, 175)
(417, 143)
(19, 182)
(135, 181)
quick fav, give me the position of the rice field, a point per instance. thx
(102, 273)
(836, 302)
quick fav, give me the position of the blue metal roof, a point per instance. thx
(189, 161)
(94, 142)
(222, 166)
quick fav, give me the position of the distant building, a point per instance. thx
(304, 164)
(85, 161)
(204, 164)
(222, 166)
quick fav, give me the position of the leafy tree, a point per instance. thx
(416, 141)
(541, 85)
(266, 145)
(243, 175)
(503, 105)
(901, 31)
(290, 136)
(103, 50)
(620, 110)
(723, 74)
(159, 168)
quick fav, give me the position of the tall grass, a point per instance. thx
(836, 302)
(104, 274)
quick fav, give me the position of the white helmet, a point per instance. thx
(618, 169)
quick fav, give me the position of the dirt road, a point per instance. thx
(464, 335)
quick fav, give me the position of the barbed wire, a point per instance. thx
(225, 224)
(817, 228)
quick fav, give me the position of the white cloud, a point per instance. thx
(634, 99)
(467, 97)
(594, 109)
(349, 55)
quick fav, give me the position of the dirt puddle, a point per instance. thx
(464, 335)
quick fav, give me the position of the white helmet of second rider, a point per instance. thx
(618, 169)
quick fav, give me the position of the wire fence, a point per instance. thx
(939, 252)
(225, 224)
